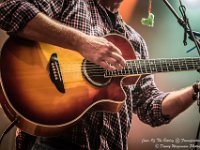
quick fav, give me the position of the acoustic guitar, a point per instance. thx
(49, 88)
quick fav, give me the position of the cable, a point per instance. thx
(187, 28)
(198, 130)
(197, 137)
(185, 25)
(8, 129)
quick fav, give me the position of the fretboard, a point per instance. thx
(151, 66)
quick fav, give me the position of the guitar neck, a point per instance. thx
(150, 66)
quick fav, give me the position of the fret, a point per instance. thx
(151, 70)
(123, 71)
(167, 69)
(189, 66)
(128, 67)
(148, 66)
(136, 68)
(139, 66)
(110, 73)
(144, 63)
(156, 65)
(156, 69)
(170, 65)
(172, 62)
(161, 66)
(115, 73)
(106, 73)
(194, 63)
(131, 67)
(120, 72)
(190, 63)
(185, 63)
(143, 66)
(198, 63)
(178, 64)
(152, 66)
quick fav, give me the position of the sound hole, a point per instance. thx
(94, 74)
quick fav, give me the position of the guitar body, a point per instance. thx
(46, 102)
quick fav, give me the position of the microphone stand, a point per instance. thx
(185, 24)
(192, 36)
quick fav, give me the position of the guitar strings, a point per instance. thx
(126, 70)
(92, 66)
(132, 66)
(97, 71)
(147, 62)
(100, 73)
(191, 62)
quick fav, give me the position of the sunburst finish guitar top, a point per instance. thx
(48, 88)
(31, 74)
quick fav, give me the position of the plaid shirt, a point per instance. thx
(96, 130)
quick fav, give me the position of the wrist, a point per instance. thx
(196, 89)
(80, 41)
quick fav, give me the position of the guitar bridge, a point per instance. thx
(55, 73)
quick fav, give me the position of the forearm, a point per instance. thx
(27, 19)
(44, 29)
(178, 101)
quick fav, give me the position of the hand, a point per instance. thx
(102, 52)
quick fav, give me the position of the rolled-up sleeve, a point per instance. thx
(15, 14)
(147, 102)
(145, 96)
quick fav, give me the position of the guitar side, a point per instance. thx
(29, 94)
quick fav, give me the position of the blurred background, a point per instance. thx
(164, 40)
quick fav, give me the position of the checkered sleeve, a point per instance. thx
(147, 98)
(147, 102)
(15, 14)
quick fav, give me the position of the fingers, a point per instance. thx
(114, 64)
(114, 58)
(102, 52)
(107, 66)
